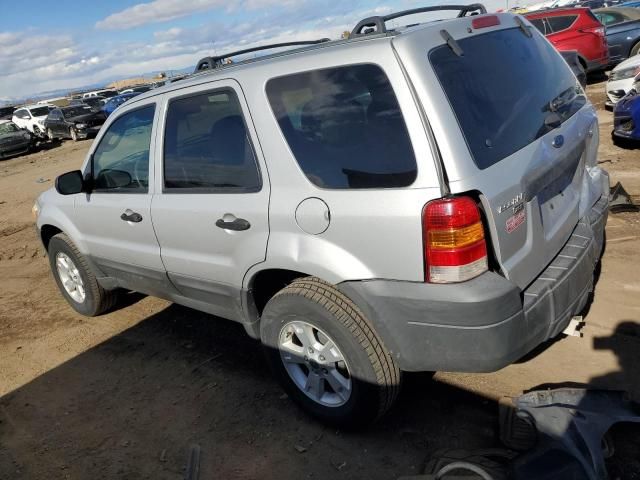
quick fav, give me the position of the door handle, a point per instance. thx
(237, 224)
(131, 217)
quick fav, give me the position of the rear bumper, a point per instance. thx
(487, 323)
(597, 64)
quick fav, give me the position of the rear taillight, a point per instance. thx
(597, 30)
(455, 249)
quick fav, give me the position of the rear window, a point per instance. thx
(539, 23)
(560, 23)
(344, 127)
(501, 100)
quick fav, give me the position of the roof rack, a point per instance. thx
(208, 63)
(377, 24)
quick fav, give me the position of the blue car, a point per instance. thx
(115, 102)
(632, 4)
(626, 116)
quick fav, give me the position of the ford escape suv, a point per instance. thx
(397, 201)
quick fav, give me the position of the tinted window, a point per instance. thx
(539, 24)
(70, 112)
(502, 100)
(344, 127)
(206, 145)
(121, 161)
(39, 111)
(558, 24)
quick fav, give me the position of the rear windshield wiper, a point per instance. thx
(565, 98)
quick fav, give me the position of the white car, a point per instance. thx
(621, 79)
(31, 117)
(100, 93)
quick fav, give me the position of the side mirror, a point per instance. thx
(70, 183)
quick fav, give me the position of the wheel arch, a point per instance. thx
(47, 232)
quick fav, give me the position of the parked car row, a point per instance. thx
(602, 37)
(23, 127)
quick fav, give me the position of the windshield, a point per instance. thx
(39, 111)
(8, 128)
(502, 100)
(75, 111)
(107, 93)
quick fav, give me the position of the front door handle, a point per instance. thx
(130, 216)
(237, 224)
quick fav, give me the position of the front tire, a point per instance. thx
(76, 281)
(326, 355)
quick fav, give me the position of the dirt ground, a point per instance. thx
(127, 394)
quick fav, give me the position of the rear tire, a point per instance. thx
(76, 281)
(368, 378)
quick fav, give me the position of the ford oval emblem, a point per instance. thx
(558, 141)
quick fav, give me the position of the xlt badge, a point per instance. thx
(513, 203)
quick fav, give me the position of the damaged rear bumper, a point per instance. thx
(486, 323)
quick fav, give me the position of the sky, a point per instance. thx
(50, 45)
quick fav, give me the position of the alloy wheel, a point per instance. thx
(315, 364)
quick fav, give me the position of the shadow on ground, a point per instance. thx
(132, 407)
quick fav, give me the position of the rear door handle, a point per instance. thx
(237, 225)
(130, 216)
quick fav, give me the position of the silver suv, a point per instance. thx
(419, 199)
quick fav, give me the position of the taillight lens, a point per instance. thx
(597, 30)
(455, 248)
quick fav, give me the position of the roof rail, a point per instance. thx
(377, 24)
(207, 63)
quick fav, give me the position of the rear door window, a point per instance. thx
(344, 127)
(561, 23)
(501, 100)
(207, 147)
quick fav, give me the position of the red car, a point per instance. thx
(574, 29)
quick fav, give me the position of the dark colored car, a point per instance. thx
(75, 122)
(626, 115)
(574, 29)
(115, 102)
(622, 31)
(96, 103)
(13, 140)
(6, 113)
